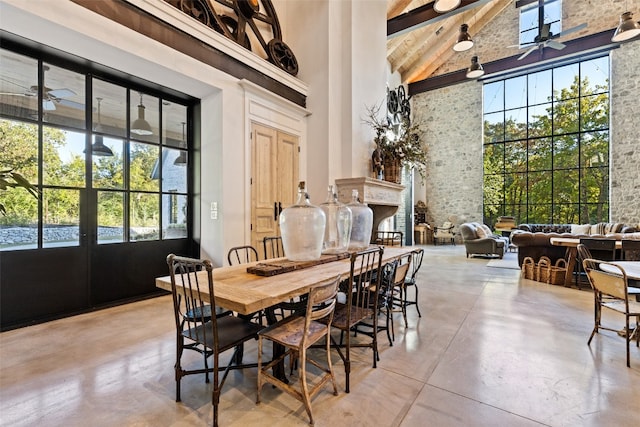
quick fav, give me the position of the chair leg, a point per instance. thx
(416, 303)
(215, 395)
(403, 299)
(596, 314)
(627, 339)
(260, 381)
(329, 365)
(347, 359)
(305, 387)
(178, 368)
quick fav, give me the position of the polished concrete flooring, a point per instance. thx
(490, 350)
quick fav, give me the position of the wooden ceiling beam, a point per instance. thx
(584, 45)
(425, 15)
(483, 16)
(396, 7)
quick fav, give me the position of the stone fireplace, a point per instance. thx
(383, 197)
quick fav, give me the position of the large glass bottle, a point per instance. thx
(337, 232)
(302, 227)
(362, 223)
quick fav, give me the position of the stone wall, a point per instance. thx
(625, 136)
(452, 117)
(453, 131)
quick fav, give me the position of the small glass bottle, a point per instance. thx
(337, 232)
(302, 227)
(362, 223)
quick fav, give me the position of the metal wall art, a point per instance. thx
(233, 18)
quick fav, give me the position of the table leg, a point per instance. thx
(571, 255)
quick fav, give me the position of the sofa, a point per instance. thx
(479, 240)
(533, 240)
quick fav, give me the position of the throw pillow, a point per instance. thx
(580, 229)
(487, 230)
(613, 227)
(597, 228)
(480, 232)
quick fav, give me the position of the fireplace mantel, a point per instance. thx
(383, 197)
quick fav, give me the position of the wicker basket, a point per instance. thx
(528, 268)
(543, 269)
(557, 272)
(393, 170)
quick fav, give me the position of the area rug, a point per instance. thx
(510, 260)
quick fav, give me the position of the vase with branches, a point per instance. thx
(398, 145)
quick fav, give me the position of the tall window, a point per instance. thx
(546, 145)
(121, 170)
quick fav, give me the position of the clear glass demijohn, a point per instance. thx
(302, 228)
(337, 232)
(362, 223)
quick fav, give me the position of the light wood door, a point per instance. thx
(274, 180)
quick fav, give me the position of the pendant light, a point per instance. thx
(475, 70)
(181, 160)
(444, 6)
(627, 29)
(464, 39)
(98, 148)
(140, 126)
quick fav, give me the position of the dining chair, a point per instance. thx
(273, 247)
(297, 334)
(356, 304)
(384, 304)
(610, 291)
(388, 238)
(242, 255)
(399, 288)
(191, 283)
(410, 282)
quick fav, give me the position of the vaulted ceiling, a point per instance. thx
(420, 40)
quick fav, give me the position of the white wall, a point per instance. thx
(225, 141)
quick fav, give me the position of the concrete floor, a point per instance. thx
(490, 350)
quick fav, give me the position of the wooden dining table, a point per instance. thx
(246, 293)
(572, 254)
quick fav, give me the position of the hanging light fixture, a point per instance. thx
(627, 29)
(182, 157)
(475, 70)
(98, 148)
(140, 126)
(444, 6)
(464, 39)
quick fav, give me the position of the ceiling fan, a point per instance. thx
(50, 97)
(546, 38)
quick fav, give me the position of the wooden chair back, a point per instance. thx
(611, 284)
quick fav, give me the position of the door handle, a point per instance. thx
(275, 211)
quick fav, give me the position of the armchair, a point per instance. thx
(444, 234)
(479, 240)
